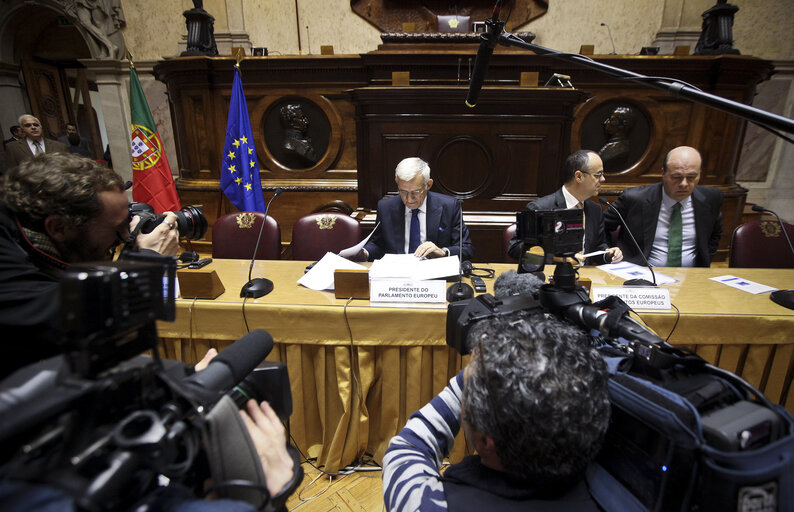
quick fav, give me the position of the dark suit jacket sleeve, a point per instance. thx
(514, 248)
(452, 217)
(376, 247)
(596, 241)
(713, 198)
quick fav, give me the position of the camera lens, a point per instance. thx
(191, 222)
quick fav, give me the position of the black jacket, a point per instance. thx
(29, 302)
(640, 208)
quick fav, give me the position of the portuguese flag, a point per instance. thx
(152, 182)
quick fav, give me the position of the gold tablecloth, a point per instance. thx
(358, 371)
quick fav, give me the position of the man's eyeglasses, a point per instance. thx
(598, 175)
(28, 125)
(412, 193)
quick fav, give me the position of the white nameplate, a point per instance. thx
(407, 290)
(637, 297)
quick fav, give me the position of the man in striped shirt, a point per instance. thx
(532, 400)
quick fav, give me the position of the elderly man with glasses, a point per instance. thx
(417, 221)
(33, 143)
(583, 174)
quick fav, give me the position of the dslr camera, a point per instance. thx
(190, 220)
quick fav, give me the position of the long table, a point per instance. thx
(359, 370)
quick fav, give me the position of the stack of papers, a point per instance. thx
(408, 266)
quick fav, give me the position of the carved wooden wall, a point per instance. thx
(497, 156)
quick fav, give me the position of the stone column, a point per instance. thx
(12, 98)
(112, 80)
(681, 24)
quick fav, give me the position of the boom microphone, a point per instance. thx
(260, 286)
(488, 40)
(632, 282)
(233, 364)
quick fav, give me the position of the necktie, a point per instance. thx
(414, 241)
(37, 148)
(674, 237)
(580, 206)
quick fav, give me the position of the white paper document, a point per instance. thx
(743, 284)
(410, 267)
(351, 252)
(628, 270)
(321, 276)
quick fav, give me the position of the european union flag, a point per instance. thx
(240, 167)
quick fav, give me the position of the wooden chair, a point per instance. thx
(234, 236)
(318, 233)
(761, 244)
(507, 235)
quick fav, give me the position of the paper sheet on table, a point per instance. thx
(743, 284)
(321, 276)
(628, 270)
(409, 266)
(352, 251)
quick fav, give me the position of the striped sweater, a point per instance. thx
(411, 466)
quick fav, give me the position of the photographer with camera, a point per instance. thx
(57, 210)
(532, 401)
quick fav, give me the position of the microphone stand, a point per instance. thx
(460, 290)
(633, 282)
(672, 86)
(784, 298)
(260, 286)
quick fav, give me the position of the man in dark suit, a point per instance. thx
(417, 221)
(16, 134)
(33, 144)
(650, 213)
(583, 173)
(74, 142)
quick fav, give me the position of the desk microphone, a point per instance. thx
(460, 290)
(610, 38)
(783, 297)
(632, 282)
(260, 286)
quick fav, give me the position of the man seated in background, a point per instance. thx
(676, 222)
(57, 210)
(533, 402)
(583, 173)
(418, 222)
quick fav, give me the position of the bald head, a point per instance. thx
(681, 172)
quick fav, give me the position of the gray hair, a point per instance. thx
(23, 116)
(410, 167)
(539, 390)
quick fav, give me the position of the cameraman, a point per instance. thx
(56, 210)
(532, 400)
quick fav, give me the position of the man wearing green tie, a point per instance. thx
(33, 143)
(676, 222)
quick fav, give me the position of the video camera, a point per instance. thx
(103, 422)
(557, 232)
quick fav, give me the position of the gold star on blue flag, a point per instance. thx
(240, 166)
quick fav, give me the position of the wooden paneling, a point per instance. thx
(497, 156)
